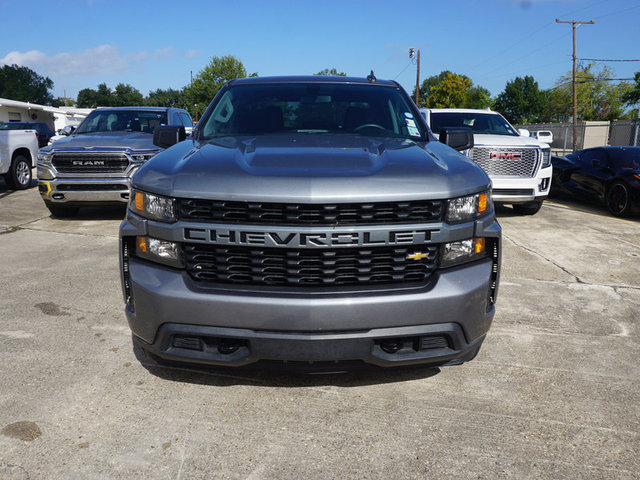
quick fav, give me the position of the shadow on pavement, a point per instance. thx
(116, 212)
(5, 191)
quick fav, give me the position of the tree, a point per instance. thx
(598, 97)
(166, 98)
(122, 95)
(633, 95)
(333, 72)
(478, 97)
(211, 79)
(427, 84)
(450, 93)
(521, 101)
(25, 85)
(452, 90)
(126, 95)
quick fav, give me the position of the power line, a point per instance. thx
(583, 8)
(527, 37)
(616, 13)
(608, 60)
(522, 57)
(403, 70)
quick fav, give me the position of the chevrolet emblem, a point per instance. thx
(417, 256)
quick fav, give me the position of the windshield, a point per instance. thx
(312, 108)
(122, 121)
(481, 123)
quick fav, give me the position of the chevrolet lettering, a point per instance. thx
(310, 222)
(293, 239)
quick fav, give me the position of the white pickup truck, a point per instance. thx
(519, 166)
(18, 155)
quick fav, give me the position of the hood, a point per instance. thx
(115, 140)
(310, 168)
(482, 140)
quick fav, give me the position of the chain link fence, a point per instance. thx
(589, 134)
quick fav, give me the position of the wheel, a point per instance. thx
(529, 208)
(617, 199)
(61, 211)
(19, 175)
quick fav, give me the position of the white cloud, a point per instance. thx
(191, 53)
(99, 60)
(164, 52)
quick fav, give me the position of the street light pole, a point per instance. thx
(412, 52)
(418, 80)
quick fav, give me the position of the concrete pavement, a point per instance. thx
(553, 393)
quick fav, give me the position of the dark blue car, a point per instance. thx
(609, 176)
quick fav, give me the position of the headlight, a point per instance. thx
(455, 253)
(143, 157)
(546, 157)
(464, 209)
(161, 251)
(154, 207)
(45, 157)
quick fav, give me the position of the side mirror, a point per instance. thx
(523, 132)
(165, 136)
(457, 138)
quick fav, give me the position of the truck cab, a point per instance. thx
(519, 165)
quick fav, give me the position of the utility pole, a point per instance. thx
(411, 55)
(575, 93)
(418, 80)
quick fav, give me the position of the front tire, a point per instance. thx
(19, 175)
(618, 199)
(529, 208)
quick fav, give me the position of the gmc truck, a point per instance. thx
(313, 220)
(93, 166)
(18, 152)
(519, 166)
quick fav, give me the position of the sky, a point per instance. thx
(160, 44)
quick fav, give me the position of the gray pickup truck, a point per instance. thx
(93, 166)
(311, 219)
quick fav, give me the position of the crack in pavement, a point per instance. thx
(20, 227)
(530, 250)
(567, 271)
(81, 234)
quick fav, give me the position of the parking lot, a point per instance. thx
(554, 392)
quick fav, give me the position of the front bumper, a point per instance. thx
(441, 344)
(521, 189)
(82, 190)
(166, 304)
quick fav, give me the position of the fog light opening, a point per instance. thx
(391, 345)
(227, 346)
(58, 196)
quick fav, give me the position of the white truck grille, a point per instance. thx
(515, 162)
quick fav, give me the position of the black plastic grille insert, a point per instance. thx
(309, 267)
(90, 163)
(381, 213)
